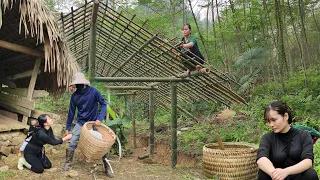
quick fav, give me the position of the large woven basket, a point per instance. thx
(92, 147)
(236, 162)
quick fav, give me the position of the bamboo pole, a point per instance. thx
(123, 94)
(108, 94)
(131, 88)
(134, 134)
(22, 49)
(93, 41)
(151, 123)
(141, 79)
(174, 152)
(134, 54)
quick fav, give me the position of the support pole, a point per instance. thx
(93, 40)
(22, 49)
(151, 122)
(32, 84)
(174, 152)
(131, 88)
(108, 101)
(134, 134)
(141, 79)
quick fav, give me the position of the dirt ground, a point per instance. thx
(128, 167)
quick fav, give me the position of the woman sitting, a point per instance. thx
(286, 152)
(34, 153)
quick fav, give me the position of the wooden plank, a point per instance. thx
(36, 113)
(15, 108)
(8, 124)
(9, 114)
(29, 104)
(24, 92)
(32, 84)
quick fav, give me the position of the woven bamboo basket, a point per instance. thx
(236, 162)
(92, 147)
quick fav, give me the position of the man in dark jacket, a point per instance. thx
(86, 100)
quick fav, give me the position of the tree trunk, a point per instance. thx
(302, 63)
(238, 29)
(226, 63)
(213, 27)
(280, 44)
(305, 47)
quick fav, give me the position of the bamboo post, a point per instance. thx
(151, 123)
(174, 125)
(134, 135)
(108, 100)
(93, 40)
(32, 84)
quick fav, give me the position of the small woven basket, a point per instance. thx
(236, 162)
(92, 147)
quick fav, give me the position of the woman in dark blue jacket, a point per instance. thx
(34, 153)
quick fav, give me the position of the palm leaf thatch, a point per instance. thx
(37, 21)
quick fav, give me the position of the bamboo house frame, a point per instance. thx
(118, 44)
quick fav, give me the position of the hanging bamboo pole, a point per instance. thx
(22, 49)
(131, 88)
(141, 79)
(174, 152)
(108, 94)
(151, 123)
(134, 134)
(93, 41)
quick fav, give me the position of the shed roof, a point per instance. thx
(128, 47)
(30, 24)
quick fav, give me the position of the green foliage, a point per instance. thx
(54, 103)
(316, 150)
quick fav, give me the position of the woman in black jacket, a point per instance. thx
(34, 153)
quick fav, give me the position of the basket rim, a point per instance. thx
(244, 145)
(114, 136)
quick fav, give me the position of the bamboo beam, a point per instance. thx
(93, 41)
(131, 88)
(151, 123)
(29, 104)
(134, 134)
(22, 49)
(134, 54)
(123, 94)
(140, 79)
(24, 92)
(174, 153)
(21, 75)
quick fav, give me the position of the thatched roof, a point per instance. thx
(127, 47)
(30, 23)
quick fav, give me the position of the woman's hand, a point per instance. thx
(67, 132)
(279, 174)
(67, 137)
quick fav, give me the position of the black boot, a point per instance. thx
(69, 158)
(107, 168)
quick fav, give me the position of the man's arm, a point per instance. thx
(103, 106)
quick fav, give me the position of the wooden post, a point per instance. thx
(93, 40)
(174, 152)
(108, 101)
(151, 123)
(32, 84)
(134, 135)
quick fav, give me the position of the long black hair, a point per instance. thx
(281, 108)
(42, 119)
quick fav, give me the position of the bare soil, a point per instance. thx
(128, 167)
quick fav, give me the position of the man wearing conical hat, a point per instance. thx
(86, 100)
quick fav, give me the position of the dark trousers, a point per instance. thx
(309, 174)
(38, 161)
(190, 63)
